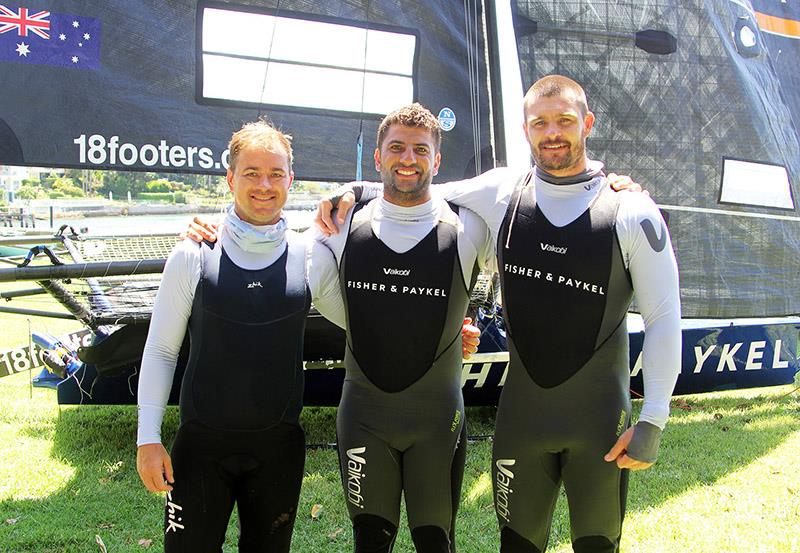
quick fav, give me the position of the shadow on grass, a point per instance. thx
(707, 439)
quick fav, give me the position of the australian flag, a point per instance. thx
(45, 38)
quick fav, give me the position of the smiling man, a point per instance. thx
(406, 265)
(243, 301)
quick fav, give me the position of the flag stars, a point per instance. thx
(86, 36)
(80, 44)
(75, 24)
(62, 37)
(23, 49)
(74, 59)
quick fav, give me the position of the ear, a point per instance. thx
(437, 159)
(291, 179)
(588, 123)
(229, 178)
(525, 132)
(377, 160)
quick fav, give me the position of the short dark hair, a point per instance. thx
(412, 115)
(557, 85)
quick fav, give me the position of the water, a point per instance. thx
(157, 224)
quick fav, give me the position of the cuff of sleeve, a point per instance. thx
(337, 194)
(644, 443)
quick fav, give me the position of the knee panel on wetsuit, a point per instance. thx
(511, 542)
(594, 544)
(431, 539)
(373, 534)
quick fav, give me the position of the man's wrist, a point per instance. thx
(645, 442)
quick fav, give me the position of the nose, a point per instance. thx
(408, 156)
(265, 182)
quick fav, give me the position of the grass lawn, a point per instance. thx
(728, 478)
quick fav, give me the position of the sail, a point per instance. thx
(698, 100)
(160, 85)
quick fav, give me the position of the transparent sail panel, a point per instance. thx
(301, 63)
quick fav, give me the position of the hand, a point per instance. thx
(155, 467)
(323, 217)
(619, 454)
(470, 338)
(200, 230)
(624, 182)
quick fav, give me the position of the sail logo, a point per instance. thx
(396, 272)
(503, 490)
(255, 284)
(447, 119)
(356, 463)
(174, 518)
(554, 249)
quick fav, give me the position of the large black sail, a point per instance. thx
(160, 85)
(694, 99)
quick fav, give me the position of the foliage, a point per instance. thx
(27, 192)
(179, 197)
(66, 187)
(158, 185)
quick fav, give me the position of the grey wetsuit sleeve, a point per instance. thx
(488, 195)
(647, 250)
(644, 444)
(323, 278)
(474, 244)
(171, 311)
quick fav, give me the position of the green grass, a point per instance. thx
(728, 478)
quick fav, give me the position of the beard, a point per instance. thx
(405, 193)
(570, 159)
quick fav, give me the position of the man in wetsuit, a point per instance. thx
(406, 261)
(244, 302)
(571, 255)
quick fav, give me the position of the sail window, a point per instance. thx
(289, 61)
(755, 184)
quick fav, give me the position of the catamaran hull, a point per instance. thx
(714, 358)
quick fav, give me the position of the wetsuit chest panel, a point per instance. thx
(246, 329)
(397, 303)
(555, 283)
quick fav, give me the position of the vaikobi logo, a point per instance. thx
(503, 487)
(396, 272)
(355, 465)
(551, 248)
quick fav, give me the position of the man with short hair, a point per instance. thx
(571, 254)
(243, 301)
(406, 261)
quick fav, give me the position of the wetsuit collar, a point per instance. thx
(593, 169)
(254, 238)
(427, 211)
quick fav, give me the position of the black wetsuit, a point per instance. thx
(240, 440)
(401, 416)
(565, 401)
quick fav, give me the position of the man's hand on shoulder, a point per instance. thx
(155, 467)
(201, 229)
(624, 182)
(341, 199)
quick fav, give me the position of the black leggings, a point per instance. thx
(260, 471)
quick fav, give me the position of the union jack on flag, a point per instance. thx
(43, 37)
(23, 22)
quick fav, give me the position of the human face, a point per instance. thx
(407, 161)
(260, 185)
(556, 131)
